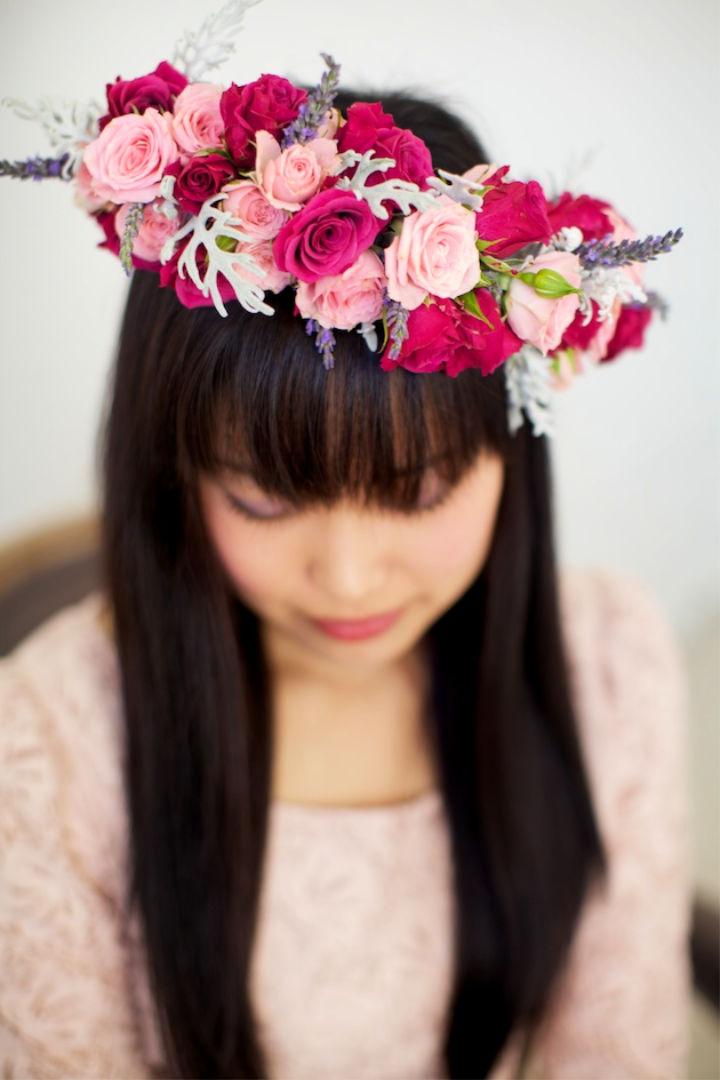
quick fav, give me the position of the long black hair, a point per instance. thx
(190, 388)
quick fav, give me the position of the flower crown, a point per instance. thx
(232, 193)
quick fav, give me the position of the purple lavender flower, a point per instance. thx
(310, 114)
(608, 254)
(396, 317)
(36, 168)
(324, 342)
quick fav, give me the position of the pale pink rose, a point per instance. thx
(537, 319)
(249, 207)
(597, 348)
(128, 159)
(479, 173)
(434, 253)
(152, 234)
(197, 123)
(85, 195)
(329, 124)
(270, 277)
(341, 301)
(288, 178)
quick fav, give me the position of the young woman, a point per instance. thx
(337, 775)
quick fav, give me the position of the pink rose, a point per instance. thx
(130, 156)
(623, 230)
(539, 320)
(479, 173)
(268, 104)
(85, 195)
(513, 215)
(341, 301)
(254, 214)
(442, 336)
(434, 253)
(629, 329)
(197, 123)
(158, 89)
(288, 178)
(152, 234)
(269, 277)
(326, 236)
(203, 176)
(367, 127)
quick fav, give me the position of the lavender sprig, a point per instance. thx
(605, 253)
(313, 109)
(35, 168)
(133, 221)
(324, 342)
(396, 317)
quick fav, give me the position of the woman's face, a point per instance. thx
(346, 562)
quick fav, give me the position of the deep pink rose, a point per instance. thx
(513, 214)
(584, 213)
(577, 336)
(369, 127)
(203, 176)
(326, 236)
(269, 103)
(187, 293)
(159, 89)
(630, 329)
(443, 336)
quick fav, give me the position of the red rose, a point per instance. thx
(583, 212)
(202, 177)
(326, 236)
(269, 104)
(443, 336)
(158, 89)
(368, 127)
(578, 336)
(187, 293)
(630, 329)
(514, 215)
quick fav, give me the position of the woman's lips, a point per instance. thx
(355, 629)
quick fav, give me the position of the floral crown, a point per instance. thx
(232, 193)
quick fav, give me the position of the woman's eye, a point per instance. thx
(252, 513)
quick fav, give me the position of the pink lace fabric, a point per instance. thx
(352, 965)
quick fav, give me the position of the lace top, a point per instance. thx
(351, 969)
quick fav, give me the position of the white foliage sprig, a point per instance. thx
(527, 377)
(458, 188)
(605, 285)
(69, 125)
(205, 228)
(200, 51)
(404, 192)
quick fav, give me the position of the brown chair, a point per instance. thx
(49, 568)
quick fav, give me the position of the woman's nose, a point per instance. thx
(347, 563)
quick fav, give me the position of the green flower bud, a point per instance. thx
(548, 283)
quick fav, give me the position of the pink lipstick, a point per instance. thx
(357, 629)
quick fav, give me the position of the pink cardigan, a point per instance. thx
(351, 969)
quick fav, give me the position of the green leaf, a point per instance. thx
(496, 264)
(225, 243)
(481, 245)
(386, 332)
(470, 302)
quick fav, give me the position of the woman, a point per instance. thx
(245, 838)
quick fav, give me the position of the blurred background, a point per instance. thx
(615, 99)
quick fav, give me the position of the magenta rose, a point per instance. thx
(582, 212)
(513, 214)
(203, 176)
(326, 236)
(630, 329)
(443, 336)
(158, 89)
(577, 336)
(369, 127)
(187, 293)
(267, 104)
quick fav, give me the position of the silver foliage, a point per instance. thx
(368, 331)
(404, 192)
(200, 51)
(68, 125)
(457, 188)
(204, 230)
(527, 377)
(604, 285)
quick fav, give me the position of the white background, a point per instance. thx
(617, 97)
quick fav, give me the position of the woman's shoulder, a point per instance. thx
(60, 737)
